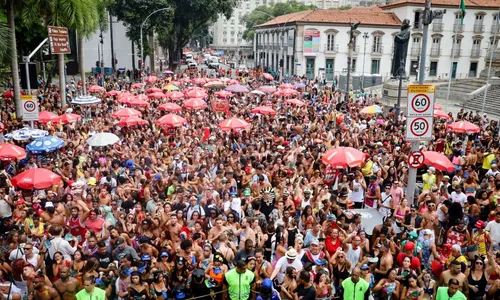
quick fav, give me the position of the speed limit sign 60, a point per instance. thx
(421, 100)
(421, 103)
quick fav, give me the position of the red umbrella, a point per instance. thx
(125, 113)
(195, 103)
(137, 86)
(69, 118)
(233, 124)
(464, 127)
(438, 161)
(141, 97)
(343, 157)
(113, 93)
(268, 76)
(263, 110)
(153, 90)
(286, 86)
(157, 95)
(267, 89)
(10, 151)
(196, 94)
(176, 83)
(171, 120)
(37, 179)
(8, 94)
(172, 107)
(131, 121)
(151, 79)
(135, 101)
(199, 81)
(295, 102)
(441, 114)
(47, 116)
(175, 95)
(287, 92)
(95, 89)
(185, 80)
(233, 81)
(223, 94)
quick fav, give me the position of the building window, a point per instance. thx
(375, 66)
(224, 40)
(377, 45)
(416, 23)
(433, 68)
(232, 32)
(232, 40)
(330, 42)
(353, 65)
(224, 32)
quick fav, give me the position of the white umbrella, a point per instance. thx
(102, 139)
(26, 133)
(85, 100)
(257, 92)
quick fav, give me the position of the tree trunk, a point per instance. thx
(174, 57)
(14, 65)
(151, 41)
(81, 64)
(62, 79)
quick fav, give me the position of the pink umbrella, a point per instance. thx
(153, 90)
(175, 95)
(95, 89)
(195, 103)
(223, 94)
(157, 95)
(295, 102)
(8, 94)
(69, 118)
(199, 81)
(137, 86)
(437, 106)
(263, 110)
(441, 114)
(268, 76)
(237, 88)
(267, 89)
(141, 97)
(113, 93)
(136, 102)
(125, 113)
(172, 107)
(131, 121)
(463, 127)
(196, 94)
(343, 157)
(11, 151)
(151, 79)
(438, 161)
(185, 80)
(176, 83)
(171, 120)
(233, 124)
(286, 86)
(287, 92)
(47, 116)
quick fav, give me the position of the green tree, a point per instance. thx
(264, 13)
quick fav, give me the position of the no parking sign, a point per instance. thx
(30, 107)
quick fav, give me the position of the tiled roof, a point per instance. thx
(366, 15)
(468, 3)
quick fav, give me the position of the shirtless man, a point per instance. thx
(430, 220)
(455, 271)
(174, 228)
(51, 216)
(216, 231)
(386, 261)
(42, 291)
(67, 286)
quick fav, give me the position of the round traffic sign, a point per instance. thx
(416, 159)
(420, 103)
(419, 127)
(2, 126)
(29, 106)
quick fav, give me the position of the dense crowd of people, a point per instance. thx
(194, 212)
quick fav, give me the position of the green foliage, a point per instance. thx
(343, 7)
(5, 39)
(264, 13)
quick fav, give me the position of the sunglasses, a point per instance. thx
(479, 263)
(27, 248)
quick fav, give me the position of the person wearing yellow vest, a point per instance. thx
(355, 287)
(450, 292)
(238, 282)
(429, 179)
(90, 291)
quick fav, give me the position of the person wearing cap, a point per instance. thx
(238, 282)
(122, 250)
(408, 252)
(429, 179)
(355, 287)
(289, 260)
(313, 255)
(458, 196)
(198, 288)
(267, 291)
(481, 238)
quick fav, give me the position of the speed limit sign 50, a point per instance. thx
(419, 128)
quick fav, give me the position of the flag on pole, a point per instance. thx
(462, 11)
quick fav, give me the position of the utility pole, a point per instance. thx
(101, 59)
(365, 37)
(113, 60)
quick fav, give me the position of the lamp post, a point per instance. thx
(142, 42)
(365, 36)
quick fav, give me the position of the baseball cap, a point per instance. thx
(247, 192)
(315, 241)
(412, 235)
(409, 246)
(145, 257)
(365, 267)
(164, 254)
(119, 241)
(427, 232)
(267, 284)
(480, 224)
(49, 204)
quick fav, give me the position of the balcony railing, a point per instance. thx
(437, 27)
(475, 53)
(377, 49)
(458, 27)
(478, 28)
(415, 51)
(329, 48)
(456, 52)
(435, 52)
(495, 28)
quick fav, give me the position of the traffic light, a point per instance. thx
(102, 40)
(97, 63)
(281, 63)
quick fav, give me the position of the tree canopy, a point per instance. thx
(265, 13)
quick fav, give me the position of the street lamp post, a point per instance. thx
(142, 42)
(365, 36)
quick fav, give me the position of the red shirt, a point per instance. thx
(331, 247)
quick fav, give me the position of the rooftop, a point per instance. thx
(468, 3)
(366, 15)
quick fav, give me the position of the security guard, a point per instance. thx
(238, 282)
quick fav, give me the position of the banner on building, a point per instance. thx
(311, 41)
